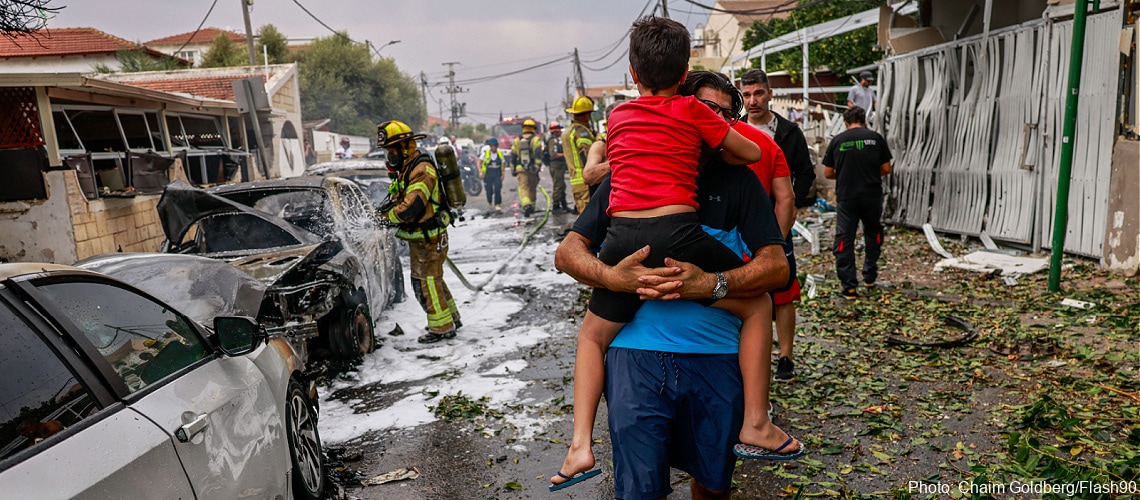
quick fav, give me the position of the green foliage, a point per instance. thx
(339, 80)
(224, 52)
(133, 61)
(273, 42)
(476, 131)
(838, 53)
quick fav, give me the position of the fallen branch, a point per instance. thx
(1134, 396)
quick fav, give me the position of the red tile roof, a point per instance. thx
(204, 35)
(66, 41)
(217, 87)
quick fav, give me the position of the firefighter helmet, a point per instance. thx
(528, 123)
(394, 132)
(582, 104)
(555, 126)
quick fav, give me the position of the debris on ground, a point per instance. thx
(988, 262)
(396, 475)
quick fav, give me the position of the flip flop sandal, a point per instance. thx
(757, 453)
(571, 481)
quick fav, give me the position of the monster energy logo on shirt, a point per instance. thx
(856, 144)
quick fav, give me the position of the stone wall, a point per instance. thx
(39, 230)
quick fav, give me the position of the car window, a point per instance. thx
(235, 232)
(39, 396)
(143, 340)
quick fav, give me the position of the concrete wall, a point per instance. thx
(39, 230)
(1122, 236)
(68, 227)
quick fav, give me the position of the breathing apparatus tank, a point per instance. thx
(449, 176)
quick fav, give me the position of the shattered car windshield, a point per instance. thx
(307, 209)
(234, 232)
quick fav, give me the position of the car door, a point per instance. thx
(224, 420)
(376, 248)
(61, 439)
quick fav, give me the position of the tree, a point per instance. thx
(133, 61)
(223, 52)
(273, 42)
(24, 17)
(339, 80)
(838, 53)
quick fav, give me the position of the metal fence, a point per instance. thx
(974, 126)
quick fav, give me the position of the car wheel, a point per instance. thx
(304, 445)
(350, 332)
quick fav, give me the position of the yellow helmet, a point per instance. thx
(394, 132)
(582, 104)
(528, 123)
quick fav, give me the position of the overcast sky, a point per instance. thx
(487, 38)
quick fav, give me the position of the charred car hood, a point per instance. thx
(182, 205)
(200, 287)
(271, 266)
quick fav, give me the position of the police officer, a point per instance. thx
(491, 171)
(577, 139)
(415, 198)
(557, 161)
(526, 154)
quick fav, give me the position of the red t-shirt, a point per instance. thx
(653, 144)
(772, 163)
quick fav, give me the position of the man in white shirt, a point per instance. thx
(344, 151)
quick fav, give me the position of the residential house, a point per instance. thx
(282, 134)
(67, 50)
(721, 37)
(193, 46)
(86, 159)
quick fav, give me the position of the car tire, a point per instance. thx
(350, 332)
(305, 454)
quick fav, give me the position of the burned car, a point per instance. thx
(327, 265)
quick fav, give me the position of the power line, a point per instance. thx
(488, 78)
(784, 7)
(196, 30)
(338, 33)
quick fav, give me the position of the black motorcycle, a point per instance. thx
(469, 172)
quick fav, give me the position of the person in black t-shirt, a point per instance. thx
(857, 159)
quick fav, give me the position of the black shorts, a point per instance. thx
(677, 235)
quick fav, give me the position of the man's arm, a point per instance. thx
(799, 162)
(885, 169)
(785, 203)
(768, 270)
(829, 172)
(597, 168)
(574, 258)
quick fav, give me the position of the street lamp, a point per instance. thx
(393, 42)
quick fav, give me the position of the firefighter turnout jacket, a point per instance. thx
(417, 196)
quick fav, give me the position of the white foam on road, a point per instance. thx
(478, 361)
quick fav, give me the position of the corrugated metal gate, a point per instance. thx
(974, 128)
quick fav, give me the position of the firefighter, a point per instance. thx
(577, 139)
(526, 155)
(491, 171)
(557, 161)
(415, 209)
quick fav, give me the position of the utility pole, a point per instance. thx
(457, 109)
(248, 31)
(424, 89)
(664, 9)
(579, 81)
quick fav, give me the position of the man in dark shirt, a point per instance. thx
(857, 159)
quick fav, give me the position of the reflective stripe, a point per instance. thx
(442, 315)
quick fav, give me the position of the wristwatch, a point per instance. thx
(721, 288)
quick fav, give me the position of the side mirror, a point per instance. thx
(237, 335)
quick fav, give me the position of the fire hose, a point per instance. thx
(525, 240)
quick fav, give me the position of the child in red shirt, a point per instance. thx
(653, 146)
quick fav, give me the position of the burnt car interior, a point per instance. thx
(308, 209)
(233, 232)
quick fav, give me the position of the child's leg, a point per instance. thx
(756, 370)
(594, 338)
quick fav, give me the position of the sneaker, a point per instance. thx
(498, 208)
(869, 284)
(785, 370)
(850, 294)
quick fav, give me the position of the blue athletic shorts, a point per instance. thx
(672, 410)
